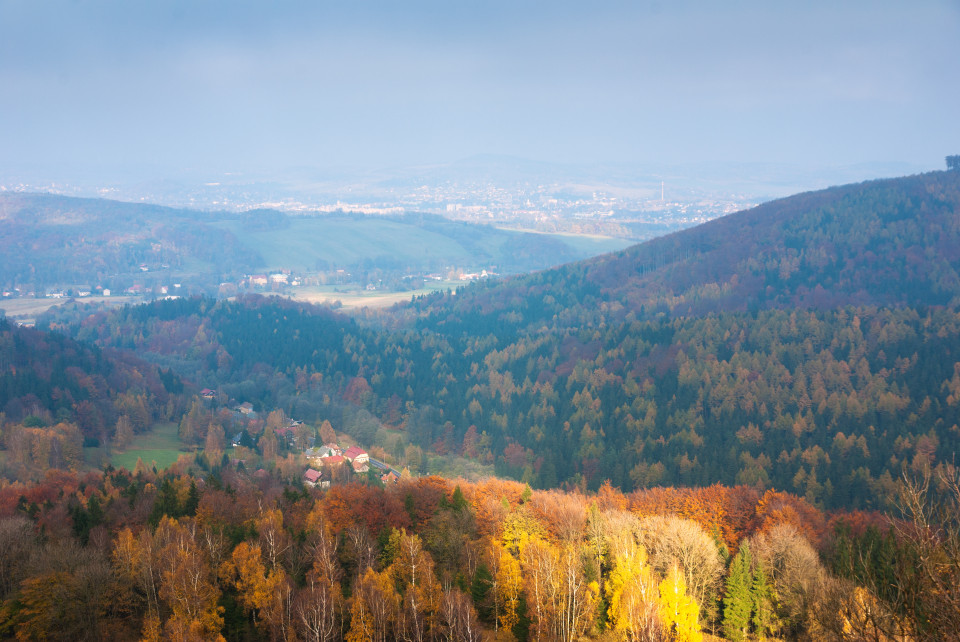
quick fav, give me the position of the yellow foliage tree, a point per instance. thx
(505, 583)
(263, 591)
(680, 612)
(632, 596)
(509, 582)
(185, 585)
(560, 600)
(375, 607)
(361, 621)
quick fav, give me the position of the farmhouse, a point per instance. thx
(312, 477)
(355, 454)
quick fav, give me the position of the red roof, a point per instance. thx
(312, 475)
(332, 459)
(353, 452)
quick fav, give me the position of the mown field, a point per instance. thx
(161, 445)
(342, 241)
(353, 296)
(26, 310)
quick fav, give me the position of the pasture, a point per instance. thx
(161, 445)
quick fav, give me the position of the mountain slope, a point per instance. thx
(57, 394)
(886, 242)
(889, 242)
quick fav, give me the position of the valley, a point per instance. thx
(777, 382)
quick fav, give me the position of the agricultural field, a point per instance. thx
(354, 296)
(343, 241)
(26, 310)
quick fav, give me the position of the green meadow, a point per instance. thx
(161, 445)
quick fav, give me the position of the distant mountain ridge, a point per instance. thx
(888, 242)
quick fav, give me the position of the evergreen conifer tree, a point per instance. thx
(764, 616)
(738, 602)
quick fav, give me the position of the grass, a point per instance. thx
(594, 245)
(161, 445)
(451, 467)
(585, 244)
(355, 297)
(26, 310)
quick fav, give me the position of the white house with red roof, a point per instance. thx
(356, 454)
(312, 477)
(332, 460)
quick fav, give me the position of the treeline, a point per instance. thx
(212, 553)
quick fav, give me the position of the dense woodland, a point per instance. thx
(831, 405)
(58, 395)
(702, 400)
(201, 552)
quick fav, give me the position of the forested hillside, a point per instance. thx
(58, 395)
(778, 358)
(809, 345)
(892, 242)
(48, 240)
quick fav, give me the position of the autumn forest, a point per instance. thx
(741, 431)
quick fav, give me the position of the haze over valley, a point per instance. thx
(628, 321)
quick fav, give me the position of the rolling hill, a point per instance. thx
(891, 242)
(55, 241)
(48, 241)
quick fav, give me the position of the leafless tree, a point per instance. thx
(670, 540)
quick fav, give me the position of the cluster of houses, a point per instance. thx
(326, 461)
(274, 280)
(330, 456)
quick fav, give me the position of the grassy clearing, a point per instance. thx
(353, 297)
(161, 445)
(27, 310)
(586, 244)
(452, 467)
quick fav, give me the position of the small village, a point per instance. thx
(327, 463)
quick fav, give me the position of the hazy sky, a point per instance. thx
(223, 85)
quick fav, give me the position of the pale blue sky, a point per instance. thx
(226, 85)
